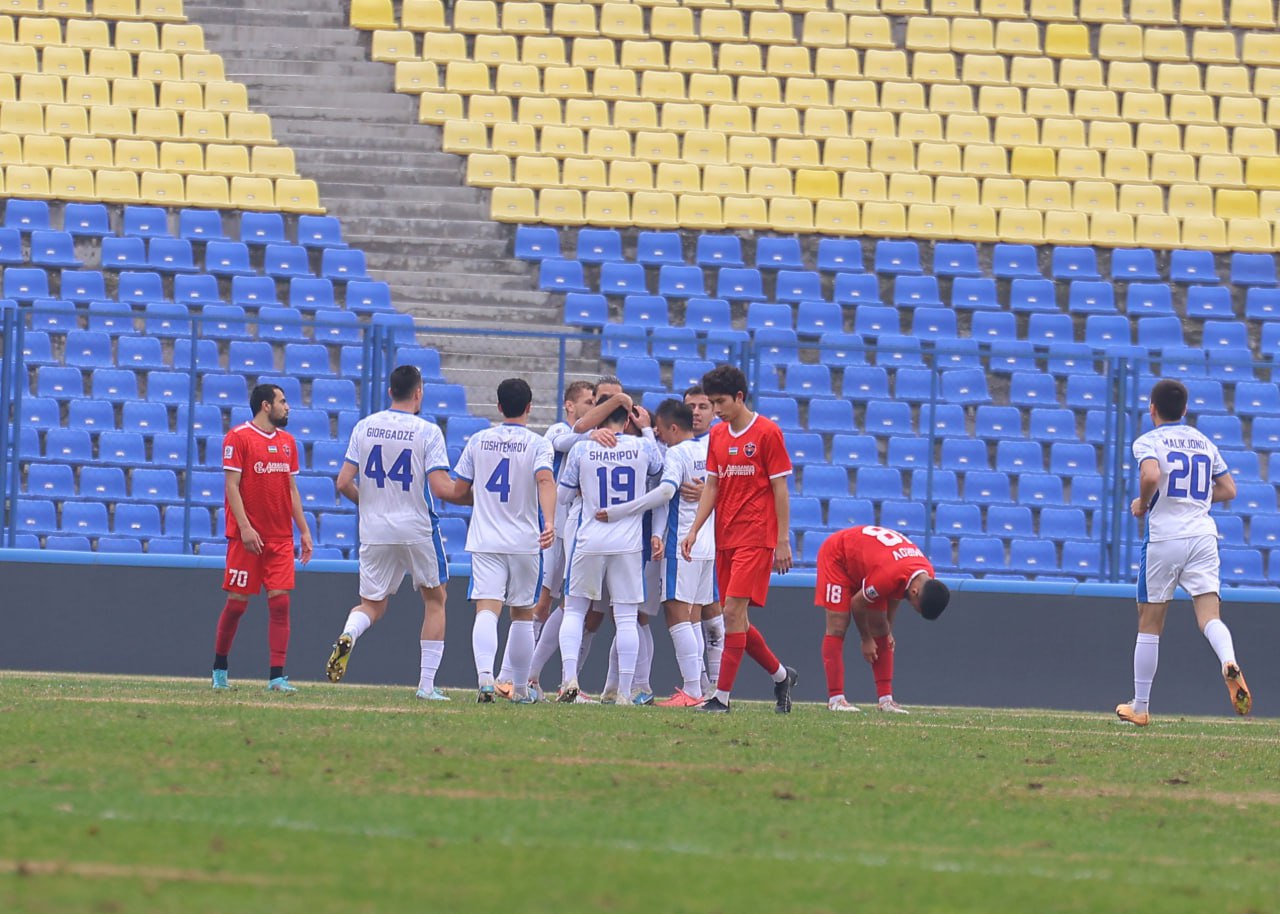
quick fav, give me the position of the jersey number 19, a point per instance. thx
(619, 480)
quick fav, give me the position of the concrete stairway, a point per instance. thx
(399, 198)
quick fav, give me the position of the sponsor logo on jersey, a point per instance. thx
(264, 469)
(739, 470)
(871, 592)
(228, 452)
(750, 449)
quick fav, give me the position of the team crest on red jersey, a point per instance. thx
(750, 449)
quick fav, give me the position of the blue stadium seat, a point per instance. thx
(461, 428)
(835, 415)
(250, 357)
(224, 390)
(59, 382)
(48, 316)
(964, 454)
(640, 373)
(805, 381)
(369, 297)
(1032, 389)
(309, 425)
(1264, 530)
(842, 350)
(929, 323)
(426, 360)
(994, 325)
(1231, 528)
(825, 482)
(585, 309)
(995, 422)
(103, 483)
(1087, 391)
(1230, 363)
(1033, 556)
(778, 253)
(899, 351)
(915, 385)
(146, 222)
(840, 255)
(142, 521)
(952, 258)
(854, 450)
(967, 386)
(1085, 297)
(351, 361)
(1061, 524)
(150, 418)
(285, 261)
(705, 314)
(1148, 298)
(806, 513)
(915, 291)
(1257, 398)
(958, 520)
(1086, 492)
(536, 243)
(687, 373)
(327, 457)
(307, 360)
(24, 285)
(262, 228)
(974, 294)
(1039, 489)
(905, 517)
(940, 550)
(86, 220)
(445, 399)
(1205, 302)
(337, 328)
(908, 453)
(169, 450)
(658, 248)
(291, 386)
(1244, 465)
(1047, 329)
(166, 319)
(310, 294)
(114, 384)
(207, 487)
(1102, 331)
(171, 255)
(1160, 332)
(1006, 521)
(798, 286)
(11, 247)
(120, 545)
(453, 531)
(334, 394)
(850, 512)
(201, 225)
(805, 448)
(1254, 498)
(878, 483)
(597, 245)
(555, 275)
(785, 411)
(85, 519)
(883, 418)
(54, 249)
(50, 480)
(987, 487)
(980, 554)
(1134, 265)
(1224, 431)
(897, 257)
(1033, 295)
(1182, 362)
(70, 444)
(320, 232)
(681, 281)
(1053, 425)
(623, 279)
(644, 310)
(620, 340)
(874, 321)
(1015, 261)
(1242, 567)
(253, 291)
(40, 412)
(857, 289)
(206, 353)
(88, 349)
(1019, 456)
(1068, 358)
(282, 325)
(196, 289)
(1259, 305)
(674, 343)
(140, 288)
(816, 318)
(1192, 267)
(26, 215)
(215, 549)
(946, 419)
(776, 345)
(337, 530)
(124, 254)
(1222, 334)
(1070, 263)
(740, 284)
(866, 383)
(761, 315)
(343, 265)
(717, 251)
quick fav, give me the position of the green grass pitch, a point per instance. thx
(147, 795)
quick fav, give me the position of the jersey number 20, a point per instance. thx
(401, 470)
(1190, 475)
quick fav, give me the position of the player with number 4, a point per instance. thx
(863, 574)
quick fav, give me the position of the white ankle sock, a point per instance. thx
(484, 645)
(780, 673)
(504, 675)
(644, 660)
(713, 631)
(1146, 657)
(686, 646)
(432, 651)
(357, 624)
(628, 642)
(547, 644)
(1219, 638)
(587, 638)
(571, 635)
(520, 649)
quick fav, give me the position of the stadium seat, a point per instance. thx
(318, 231)
(1260, 304)
(53, 249)
(341, 264)
(836, 415)
(285, 261)
(1071, 263)
(537, 243)
(25, 285)
(1253, 269)
(262, 229)
(86, 220)
(229, 258)
(878, 483)
(1015, 261)
(996, 422)
(897, 257)
(980, 554)
(1033, 295)
(839, 255)
(857, 289)
(1192, 267)
(1007, 521)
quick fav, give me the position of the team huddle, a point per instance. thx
(616, 511)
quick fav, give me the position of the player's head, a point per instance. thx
(673, 421)
(928, 596)
(267, 402)
(515, 399)
(1168, 401)
(405, 388)
(726, 388)
(607, 386)
(617, 419)
(578, 398)
(698, 401)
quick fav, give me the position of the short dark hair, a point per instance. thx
(608, 379)
(514, 397)
(724, 380)
(694, 391)
(1170, 399)
(574, 390)
(405, 379)
(934, 597)
(262, 393)
(675, 412)
(618, 416)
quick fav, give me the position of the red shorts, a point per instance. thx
(248, 573)
(744, 572)
(834, 590)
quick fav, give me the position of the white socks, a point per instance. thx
(1219, 638)
(713, 632)
(484, 644)
(520, 650)
(358, 623)
(571, 636)
(432, 651)
(780, 673)
(505, 675)
(587, 638)
(547, 643)
(644, 661)
(686, 646)
(628, 641)
(1146, 657)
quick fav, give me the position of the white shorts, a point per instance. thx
(384, 565)
(652, 604)
(553, 567)
(515, 580)
(621, 573)
(689, 582)
(1191, 562)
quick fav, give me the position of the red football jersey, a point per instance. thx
(745, 464)
(266, 464)
(880, 561)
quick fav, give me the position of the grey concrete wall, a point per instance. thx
(988, 649)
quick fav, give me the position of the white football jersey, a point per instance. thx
(687, 462)
(501, 463)
(1189, 463)
(562, 438)
(610, 476)
(393, 452)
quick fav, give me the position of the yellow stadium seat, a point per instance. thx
(614, 83)
(1152, 12)
(722, 25)
(295, 195)
(159, 65)
(1191, 109)
(161, 10)
(955, 7)
(1221, 171)
(1120, 42)
(1066, 227)
(496, 49)
(1263, 173)
(162, 189)
(562, 141)
(1029, 72)
(741, 60)
(1266, 82)
(1165, 44)
(678, 177)
(1204, 232)
(759, 90)
(62, 61)
(115, 9)
(116, 186)
(746, 151)
(872, 124)
(1137, 199)
(565, 82)
(71, 183)
(622, 20)
(887, 220)
(133, 93)
(673, 23)
(939, 158)
(788, 61)
(1273, 112)
(416, 76)
(903, 7)
(1053, 10)
(1249, 235)
(705, 147)
(822, 29)
(518, 80)
(438, 107)
(608, 208)
(891, 155)
(804, 93)
(870, 32)
(1159, 138)
(644, 55)
(854, 94)
(908, 189)
(186, 158)
(700, 211)
(934, 67)
(768, 27)
(181, 96)
(1003, 9)
(1252, 14)
(476, 17)
(836, 217)
(489, 109)
(45, 151)
(1127, 76)
(1235, 204)
(730, 119)
(464, 137)
(817, 184)
(109, 63)
(790, 215)
(1269, 203)
(901, 97)
(68, 8)
(540, 112)
(725, 180)
(999, 193)
(422, 16)
(769, 181)
(635, 115)
(18, 59)
(1242, 112)
(1093, 196)
(1253, 141)
(513, 204)
(208, 190)
(90, 152)
(836, 63)
(1081, 74)
(1076, 164)
(443, 47)
(270, 161)
(574, 20)
(40, 88)
(821, 123)
(881, 65)
(994, 101)
(1126, 165)
(679, 117)
(250, 128)
(691, 57)
(1199, 140)
(137, 36)
(973, 36)
(66, 120)
(1017, 38)
(1157, 231)
(1013, 130)
(1049, 102)
(1214, 47)
(1103, 104)
(585, 174)
(607, 143)
(540, 51)
(109, 121)
(957, 190)
(797, 153)
(1189, 199)
(652, 209)
(841, 153)
(865, 187)
(927, 220)
(1103, 11)
(39, 31)
(530, 171)
(984, 70)
(928, 33)
(1111, 229)
(711, 88)
(1033, 162)
(659, 86)
(968, 128)
(390, 46)
(524, 18)
(204, 126)
(1140, 107)
(87, 33)
(27, 181)
(631, 176)
(1178, 77)
(1173, 168)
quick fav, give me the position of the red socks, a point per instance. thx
(883, 667)
(228, 622)
(735, 643)
(833, 663)
(278, 628)
(759, 651)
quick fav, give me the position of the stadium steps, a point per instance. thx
(402, 200)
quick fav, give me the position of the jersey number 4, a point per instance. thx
(500, 481)
(401, 469)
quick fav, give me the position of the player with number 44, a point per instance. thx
(863, 574)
